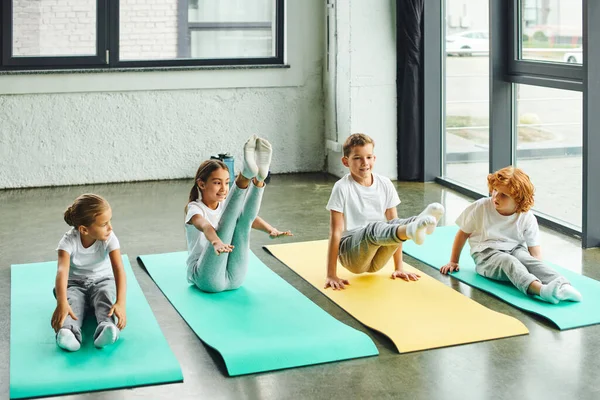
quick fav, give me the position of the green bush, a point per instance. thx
(540, 36)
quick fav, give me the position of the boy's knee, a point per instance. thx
(509, 264)
(355, 269)
(374, 267)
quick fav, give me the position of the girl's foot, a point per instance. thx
(416, 230)
(109, 335)
(263, 158)
(250, 168)
(568, 292)
(65, 339)
(436, 210)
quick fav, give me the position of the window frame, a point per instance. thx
(107, 44)
(10, 62)
(538, 73)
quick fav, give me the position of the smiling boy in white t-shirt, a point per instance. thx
(365, 231)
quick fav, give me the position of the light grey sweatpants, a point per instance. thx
(227, 271)
(368, 249)
(86, 294)
(517, 266)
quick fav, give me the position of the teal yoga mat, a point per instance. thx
(39, 368)
(566, 315)
(264, 325)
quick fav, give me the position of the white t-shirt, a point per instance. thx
(362, 204)
(490, 229)
(196, 240)
(92, 262)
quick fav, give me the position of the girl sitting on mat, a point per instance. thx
(218, 221)
(504, 239)
(90, 275)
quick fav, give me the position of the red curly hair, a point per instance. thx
(518, 184)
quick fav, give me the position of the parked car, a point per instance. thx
(468, 43)
(574, 57)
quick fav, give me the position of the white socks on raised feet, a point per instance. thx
(109, 335)
(263, 158)
(549, 292)
(65, 339)
(568, 292)
(416, 230)
(250, 168)
(436, 210)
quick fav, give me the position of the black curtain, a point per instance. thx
(409, 89)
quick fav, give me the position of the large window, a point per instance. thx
(466, 139)
(137, 33)
(541, 81)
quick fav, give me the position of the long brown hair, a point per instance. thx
(203, 173)
(85, 209)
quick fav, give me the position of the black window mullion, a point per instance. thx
(6, 12)
(279, 30)
(112, 33)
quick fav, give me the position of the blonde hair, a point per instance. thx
(354, 140)
(518, 184)
(203, 173)
(85, 209)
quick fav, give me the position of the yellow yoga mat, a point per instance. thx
(419, 315)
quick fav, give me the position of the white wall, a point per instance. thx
(364, 81)
(78, 128)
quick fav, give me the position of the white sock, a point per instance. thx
(436, 210)
(548, 292)
(65, 339)
(263, 158)
(568, 292)
(109, 335)
(416, 230)
(250, 168)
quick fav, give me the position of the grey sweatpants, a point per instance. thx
(84, 295)
(517, 266)
(368, 249)
(227, 271)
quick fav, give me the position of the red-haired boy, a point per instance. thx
(504, 237)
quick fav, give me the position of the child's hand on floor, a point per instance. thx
(118, 310)
(221, 247)
(276, 233)
(336, 283)
(407, 276)
(59, 315)
(450, 267)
